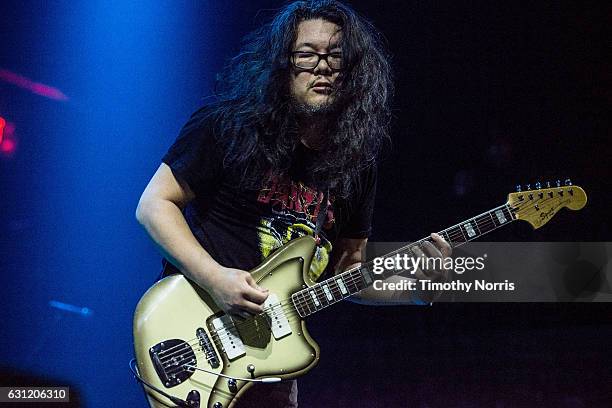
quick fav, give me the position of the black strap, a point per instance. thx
(322, 215)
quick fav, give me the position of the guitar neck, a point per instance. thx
(335, 289)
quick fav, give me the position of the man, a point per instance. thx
(300, 116)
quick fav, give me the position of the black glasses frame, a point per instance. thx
(320, 57)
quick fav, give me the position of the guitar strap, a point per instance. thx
(321, 216)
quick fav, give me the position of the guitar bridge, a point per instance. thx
(168, 358)
(207, 348)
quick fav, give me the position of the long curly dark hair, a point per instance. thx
(254, 109)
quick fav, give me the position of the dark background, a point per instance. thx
(489, 95)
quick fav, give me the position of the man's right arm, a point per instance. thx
(160, 213)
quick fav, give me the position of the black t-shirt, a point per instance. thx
(238, 227)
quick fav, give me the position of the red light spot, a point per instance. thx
(34, 87)
(2, 123)
(7, 146)
(8, 143)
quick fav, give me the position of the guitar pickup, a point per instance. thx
(279, 325)
(228, 336)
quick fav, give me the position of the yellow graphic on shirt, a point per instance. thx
(273, 234)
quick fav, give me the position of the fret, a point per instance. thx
(501, 217)
(356, 280)
(303, 302)
(488, 223)
(334, 289)
(310, 300)
(492, 219)
(328, 294)
(320, 297)
(457, 234)
(298, 304)
(483, 224)
(462, 234)
(360, 281)
(340, 283)
(342, 290)
(349, 281)
(366, 275)
(512, 217)
(315, 298)
(469, 229)
(447, 237)
(323, 295)
(477, 226)
(494, 223)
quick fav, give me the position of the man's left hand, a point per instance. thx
(438, 249)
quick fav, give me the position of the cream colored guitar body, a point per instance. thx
(175, 308)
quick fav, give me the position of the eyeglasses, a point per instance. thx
(310, 60)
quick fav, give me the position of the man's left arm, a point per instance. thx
(349, 253)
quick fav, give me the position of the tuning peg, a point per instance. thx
(528, 186)
(548, 184)
(538, 185)
(518, 188)
(558, 183)
(568, 182)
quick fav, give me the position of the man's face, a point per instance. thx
(313, 89)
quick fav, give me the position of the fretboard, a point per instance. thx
(333, 290)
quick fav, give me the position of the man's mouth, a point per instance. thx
(322, 87)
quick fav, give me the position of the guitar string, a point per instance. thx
(170, 370)
(245, 324)
(291, 316)
(176, 367)
(353, 277)
(306, 301)
(214, 334)
(288, 313)
(235, 325)
(186, 351)
(480, 223)
(485, 225)
(351, 280)
(287, 306)
(350, 273)
(450, 235)
(511, 210)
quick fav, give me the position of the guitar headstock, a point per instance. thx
(538, 206)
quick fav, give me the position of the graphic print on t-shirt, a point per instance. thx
(295, 208)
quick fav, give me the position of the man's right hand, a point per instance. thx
(236, 292)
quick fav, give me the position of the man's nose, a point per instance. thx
(322, 66)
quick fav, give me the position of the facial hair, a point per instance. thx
(322, 112)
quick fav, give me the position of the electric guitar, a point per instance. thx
(190, 353)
